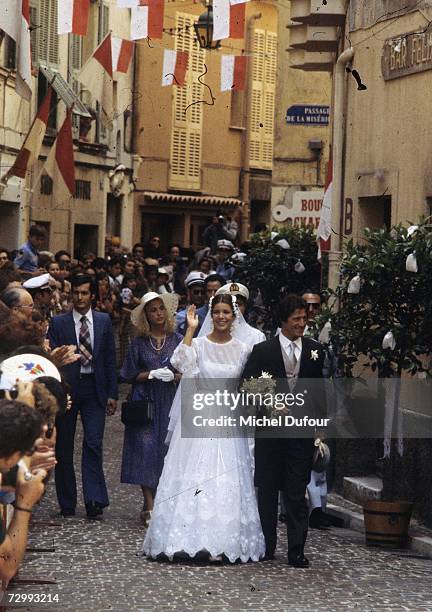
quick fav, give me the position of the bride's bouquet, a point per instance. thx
(263, 389)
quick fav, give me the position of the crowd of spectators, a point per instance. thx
(35, 286)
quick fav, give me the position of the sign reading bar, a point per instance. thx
(301, 114)
(407, 54)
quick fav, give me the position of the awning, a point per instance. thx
(185, 198)
(65, 91)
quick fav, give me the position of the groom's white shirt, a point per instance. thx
(286, 344)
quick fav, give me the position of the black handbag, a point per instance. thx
(137, 413)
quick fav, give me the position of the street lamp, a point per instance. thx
(204, 30)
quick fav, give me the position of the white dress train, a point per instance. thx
(205, 499)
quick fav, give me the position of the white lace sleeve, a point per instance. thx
(185, 359)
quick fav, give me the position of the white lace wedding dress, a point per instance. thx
(205, 499)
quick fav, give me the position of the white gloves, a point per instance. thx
(164, 374)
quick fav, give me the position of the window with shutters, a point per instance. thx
(102, 135)
(44, 36)
(75, 64)
(186, 136)
(262, 99)
(103, 21)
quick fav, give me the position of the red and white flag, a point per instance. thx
(229, 18)
(73, 16)
(147, 19)
(174, 67)
(233, 72)
(60, 162)
(97, 76)
(29, 152)
(324, 227)
(15, 21)
(122, 51)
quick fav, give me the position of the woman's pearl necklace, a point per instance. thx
(155, 347)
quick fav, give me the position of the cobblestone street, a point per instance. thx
(96, 566)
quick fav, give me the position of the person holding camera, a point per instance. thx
(20, 426)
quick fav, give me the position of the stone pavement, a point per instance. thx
(96, 566)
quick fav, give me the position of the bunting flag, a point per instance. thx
(324, 226)
(229, 18)
(97, 76)
(60, 162)
(29, 152)
(127, 3)
(121, 51)
(233, 72)
(147, 19)
(73, 16)
(174, 67)
(15, 21)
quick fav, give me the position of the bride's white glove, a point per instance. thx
(164, 374)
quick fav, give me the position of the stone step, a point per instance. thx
(360, 489)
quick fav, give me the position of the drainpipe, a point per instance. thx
(339, 114)
(245, 172)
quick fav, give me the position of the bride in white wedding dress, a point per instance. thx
(205, 500)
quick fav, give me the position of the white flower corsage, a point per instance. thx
(314, 354)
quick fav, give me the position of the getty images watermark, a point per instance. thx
(337, 408)
(222, 408)
(275, 411)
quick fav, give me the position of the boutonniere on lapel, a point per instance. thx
(314, 354)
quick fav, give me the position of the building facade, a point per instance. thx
(203, 151)
(387, 178)
(103, 201)
(302, 131)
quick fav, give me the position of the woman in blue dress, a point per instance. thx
(147, 367)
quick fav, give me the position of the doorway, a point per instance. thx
(85, 240)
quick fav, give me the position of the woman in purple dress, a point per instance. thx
(147, 367)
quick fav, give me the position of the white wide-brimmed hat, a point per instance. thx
(170, 301)
(26, 368)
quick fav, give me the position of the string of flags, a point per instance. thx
(73, 16)
(113, 54)
(229, 18)
(174, 67)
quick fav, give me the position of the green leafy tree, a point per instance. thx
(269, 270)
(390, 299)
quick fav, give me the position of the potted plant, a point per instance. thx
(383, 320)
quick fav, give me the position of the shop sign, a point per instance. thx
(406, 54)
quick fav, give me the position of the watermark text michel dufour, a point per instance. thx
(233, 401)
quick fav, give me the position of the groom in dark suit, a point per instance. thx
(93, 380)
(283, 462)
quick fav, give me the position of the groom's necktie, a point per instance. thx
(85, 346)
(290, 361)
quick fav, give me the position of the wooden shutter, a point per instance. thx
(33, 33)
(186, 137)
(255, 147)
(103, 21)
(262, 99)
(269, 99)
(47, 38)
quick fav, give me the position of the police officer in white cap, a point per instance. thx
(41, 289)
(194, 283)
(225, 249)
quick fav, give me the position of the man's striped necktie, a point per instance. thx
(85, 346)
